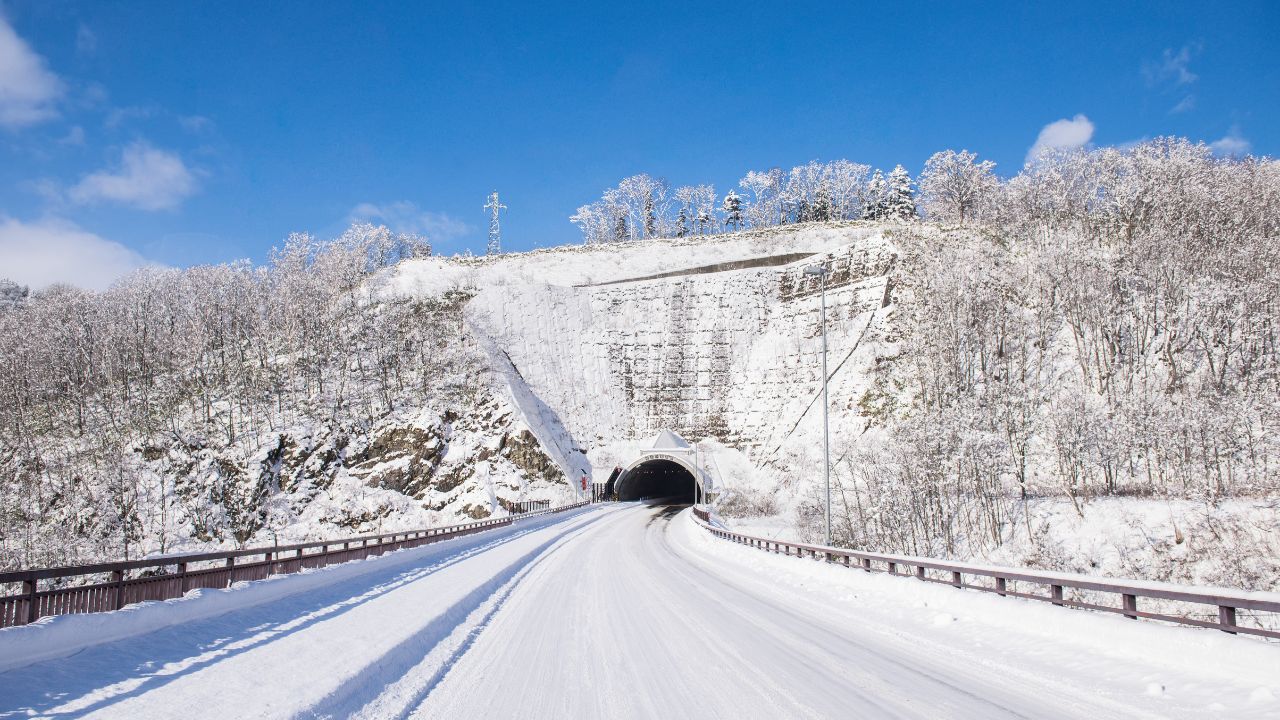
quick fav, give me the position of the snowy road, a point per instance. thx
(631, 611)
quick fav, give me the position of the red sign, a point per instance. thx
(584, 483)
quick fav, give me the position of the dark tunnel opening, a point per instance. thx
(653, 479)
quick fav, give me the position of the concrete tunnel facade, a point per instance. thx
(666, 470)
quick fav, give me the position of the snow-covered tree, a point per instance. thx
(956, 188)
(650, 216)
(800, 191)
(12, 294)
(765, 207)
(824, 191)
(621, 229)
(845, 184)
(593, 222)
(732, 209)
(823, 208)
(877, 197)
(638, 206)
(685, 197)
(704, 205)
(641, 196)
(900, 197)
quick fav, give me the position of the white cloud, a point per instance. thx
(92, 95)
(74, 136)
(1063, 134)
(86, 41)
(147, 178)
(1233, 144)
(1172, 67)
(55, 251)
(1187, 103)
(47, 189)
(406, 217)
(121, 115)
(28, 90)
(195, 123)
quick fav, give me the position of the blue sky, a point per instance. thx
(183, 133)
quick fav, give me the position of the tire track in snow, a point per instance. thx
(631, 620)
(146, 673)
(822, 649)
(881, 653)
(393, 684)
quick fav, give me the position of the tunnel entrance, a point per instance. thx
(657, 478)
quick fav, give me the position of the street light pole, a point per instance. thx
(697, 481)
(821, 272)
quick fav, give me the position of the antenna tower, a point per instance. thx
(495, 233)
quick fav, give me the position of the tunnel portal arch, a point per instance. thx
(660, 474)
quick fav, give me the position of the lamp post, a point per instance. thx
(821, 272)
(697, 481)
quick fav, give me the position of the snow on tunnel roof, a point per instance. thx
(667, 441)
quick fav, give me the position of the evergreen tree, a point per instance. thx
(877, 197)
(620, 230)
(682, 222)
(650, 217)
(704, 200)
(732, 209)
(705, 220)
(900, 197)
(798, 211)
(821, 210)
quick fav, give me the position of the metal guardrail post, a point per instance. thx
(1131, 606)
(1227, 618)
(117, 580)
(30, 589)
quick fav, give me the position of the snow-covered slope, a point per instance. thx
(725, 349)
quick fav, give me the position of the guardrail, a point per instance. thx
(1001, 581)
(159, 582)
(525, 507)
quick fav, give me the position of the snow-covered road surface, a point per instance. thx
(630, 611)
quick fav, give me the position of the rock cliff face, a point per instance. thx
(415, 468)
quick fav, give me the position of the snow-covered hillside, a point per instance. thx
(718, 338)
(726, 348)
(229, 405)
